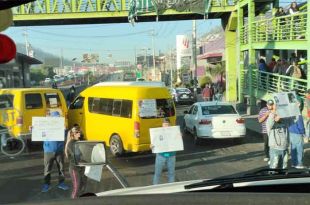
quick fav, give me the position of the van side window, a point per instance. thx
(6, 101)
(52, 100)
(94, 105)
(33, 101)
(117, 107)
(106, 106)
(78, 103)
(126, 109)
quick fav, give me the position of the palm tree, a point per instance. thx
(218, 70)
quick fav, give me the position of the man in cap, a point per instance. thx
(262, 118)
(54, 151)
(167, 158)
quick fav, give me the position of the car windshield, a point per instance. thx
(218, 109)
(193, 90)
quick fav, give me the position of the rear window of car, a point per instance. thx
(218, 109)
(183, 90)
(33, 101)
(6, 101)
(162, 108)
(52, 100)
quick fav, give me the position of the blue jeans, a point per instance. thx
(160, 162)
(297, 149)
(278, 159)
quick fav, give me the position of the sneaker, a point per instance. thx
(300, 167)
(266, 159)
(45, 188)
(63, 186)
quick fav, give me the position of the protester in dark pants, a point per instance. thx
(262, 117)
(53, 151)
(78, 178)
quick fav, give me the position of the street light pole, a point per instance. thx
(153, 44)
(195, 58)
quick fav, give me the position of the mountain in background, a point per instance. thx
(48, 59)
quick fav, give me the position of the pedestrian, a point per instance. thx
(271, 65)
(54, 85)
(293, 8)
(78, 178)
(54, 152)
(277, 139)
(262, 118)
(307, 102)
(296, 134)
(164, 158)
(207, 93)
(71, 95)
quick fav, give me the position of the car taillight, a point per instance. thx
(240, 121)
(19, 121)
(205, 122)
(137, 129)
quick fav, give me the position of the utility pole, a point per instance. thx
(194, 58)
(171, 71)
(25, 34)
(153, 45)
(61, 58)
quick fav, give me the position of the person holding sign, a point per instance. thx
(278, 140)
(163, 158)
(53, 151)
(78, 178)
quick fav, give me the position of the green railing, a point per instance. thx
(71, 6)
(284, 28)
(271, 83)
(244, 35)
(222, 3)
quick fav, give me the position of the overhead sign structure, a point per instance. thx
(287, 104)
(166, 139)
(48, 129)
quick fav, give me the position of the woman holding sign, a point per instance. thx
(162, 159)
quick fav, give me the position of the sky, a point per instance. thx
(121, 40)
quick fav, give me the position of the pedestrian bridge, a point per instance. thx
(60, 12)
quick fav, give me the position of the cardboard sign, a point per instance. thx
(287, 104)
(48, 129)
(147, 108)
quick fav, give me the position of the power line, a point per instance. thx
(84, 36)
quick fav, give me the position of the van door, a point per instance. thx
(76, 113)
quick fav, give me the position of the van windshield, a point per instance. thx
(156, 108)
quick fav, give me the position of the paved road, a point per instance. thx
(21, 178)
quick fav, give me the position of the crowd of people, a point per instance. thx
(213, 91)
(284, 136)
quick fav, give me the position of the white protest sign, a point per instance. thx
(48, 129)
(147, 108)
(286, 104)
(95, 171)
(166, 139)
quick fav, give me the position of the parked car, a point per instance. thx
(213, 120)
(182, 95)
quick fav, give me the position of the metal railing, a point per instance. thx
(271, 82)
(70, 6)
(244, 35)
(284, 28)
(222, 3)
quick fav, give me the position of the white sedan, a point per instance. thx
(213, 120)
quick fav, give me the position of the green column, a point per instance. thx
(252, 62)
(231, 64)
(308, 42)
(241, 57)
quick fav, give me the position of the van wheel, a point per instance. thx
(116, 146)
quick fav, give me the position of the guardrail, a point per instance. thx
(271, 82)
(284, 28)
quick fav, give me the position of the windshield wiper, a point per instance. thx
(260, 175)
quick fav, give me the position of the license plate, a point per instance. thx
(225, 133)
(184, 96)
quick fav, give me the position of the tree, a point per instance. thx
(205, 80)
(218, 70)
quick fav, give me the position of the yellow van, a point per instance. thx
(121, 114)
(19, 105)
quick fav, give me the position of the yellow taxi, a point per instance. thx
(121, 114)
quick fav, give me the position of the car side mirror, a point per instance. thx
(87, 153)
(185, 112)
